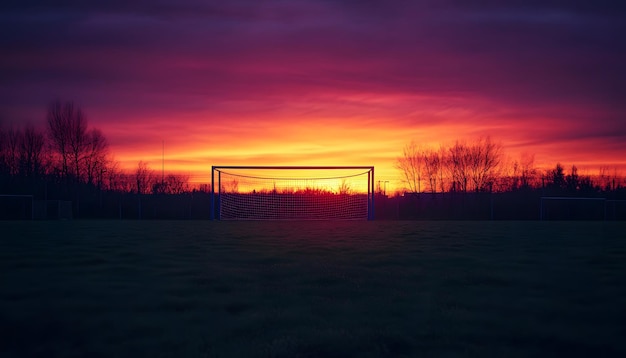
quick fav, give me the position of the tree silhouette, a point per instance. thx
(81, 153)
(557, 177)
(432, 164)
(444, 161)
(171, 184)
(12, 138)
(143, 178)
(609, 179)
(31, 152)
(410, 164)
(95, 156)
(484, 158)
(572, 180)
(459, 166)
(176, 184)
(524, 172)
(66, 124)
(3, 165)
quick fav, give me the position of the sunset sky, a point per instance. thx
(321, 82)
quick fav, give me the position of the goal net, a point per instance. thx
(572, 208)
(292, 193)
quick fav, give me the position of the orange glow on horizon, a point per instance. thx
(193, 148)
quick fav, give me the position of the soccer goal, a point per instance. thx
(292, 193)
(572, 208)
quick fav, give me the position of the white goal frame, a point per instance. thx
(216, 182)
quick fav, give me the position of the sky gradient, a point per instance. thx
(323, 82)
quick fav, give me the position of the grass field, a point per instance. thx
(312, 289)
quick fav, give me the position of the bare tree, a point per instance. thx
(12, 139)
(572, 180)
(483, 159)
(411, 165)
(177, 183)
(78, 141)
(95, 156)
(609, 179)
(144, 177)
(31, 152)
(3, 161)
(60, 120)
(231, 187)
(528, 172)
(459, 166)
(444, 160)
(557, 177)
(432, 164)
(81, 153)
(114, 179)
(171, 184)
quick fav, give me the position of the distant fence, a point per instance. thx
(16, 207)
(496, 206)
(147, 207)
(461, 206)
(423, 206)
(52, 210)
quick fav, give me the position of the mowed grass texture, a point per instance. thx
(312, 289)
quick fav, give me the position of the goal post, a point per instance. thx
(292, 192)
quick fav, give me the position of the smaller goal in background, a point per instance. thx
(573, 208)
(16, 207)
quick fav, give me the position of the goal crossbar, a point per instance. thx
(220, 167)
(218, 191)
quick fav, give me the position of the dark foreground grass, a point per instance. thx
(313, 289)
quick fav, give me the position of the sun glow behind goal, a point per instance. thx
(292, 193)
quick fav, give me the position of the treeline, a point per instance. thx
(68, 160)
(481, 167)
(476, 181)
(68, 156)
